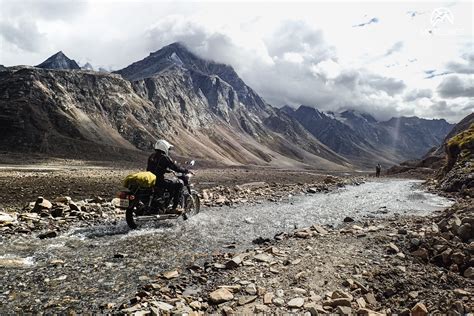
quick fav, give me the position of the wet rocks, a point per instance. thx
(275, 192)
(48, 234)
(7, 219)
(61, 213)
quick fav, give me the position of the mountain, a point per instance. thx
(218, 110)
(59, 61)
(337, 135)
(362, 139)
(413, 136)
(202, 107)
(87, 66)
(463, 125)
(457, 173)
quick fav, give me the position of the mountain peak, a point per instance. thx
(176, 47)
(59, 61)
(87, 66)
(356, 115)
(177, 55)
(287, 109)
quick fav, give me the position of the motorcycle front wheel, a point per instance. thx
(192, 205)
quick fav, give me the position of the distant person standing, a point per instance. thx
(378, 167)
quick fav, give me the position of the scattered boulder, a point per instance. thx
(220, 296)
(244, 300)
(337, 302)
(469, 273)
(263, 257)
(392, 248)
(419, 310)
(234, 262)
(296, 302)
(421, 253)
(41, 204)
(268, 297)
(344, 310)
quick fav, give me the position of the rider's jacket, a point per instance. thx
(159, 163)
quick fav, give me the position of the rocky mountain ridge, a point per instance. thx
(360, 137)
(64, 112)
(203, 107)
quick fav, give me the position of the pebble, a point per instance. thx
(278, 301)
(171, 274)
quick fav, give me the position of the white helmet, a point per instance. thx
(163, 146)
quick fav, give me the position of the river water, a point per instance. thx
(91, 275)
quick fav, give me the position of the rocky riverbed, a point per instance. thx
(176, 266)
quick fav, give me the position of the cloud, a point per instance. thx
(20, 20)
(464, 66)
(293, 36)
(395, 48)
(44, 9)
(23, 34)
(439, 74)
(418, 94)
(372, 20)
(291, 65)
(390, 85)
(456, 86)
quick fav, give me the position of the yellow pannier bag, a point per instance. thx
(143, 179)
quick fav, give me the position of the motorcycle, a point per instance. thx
(145, 204)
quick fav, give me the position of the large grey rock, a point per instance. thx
(465, 231)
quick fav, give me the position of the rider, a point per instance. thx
(158, 163)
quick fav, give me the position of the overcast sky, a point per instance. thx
(384, 58)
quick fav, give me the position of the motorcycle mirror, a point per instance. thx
(192, 162)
